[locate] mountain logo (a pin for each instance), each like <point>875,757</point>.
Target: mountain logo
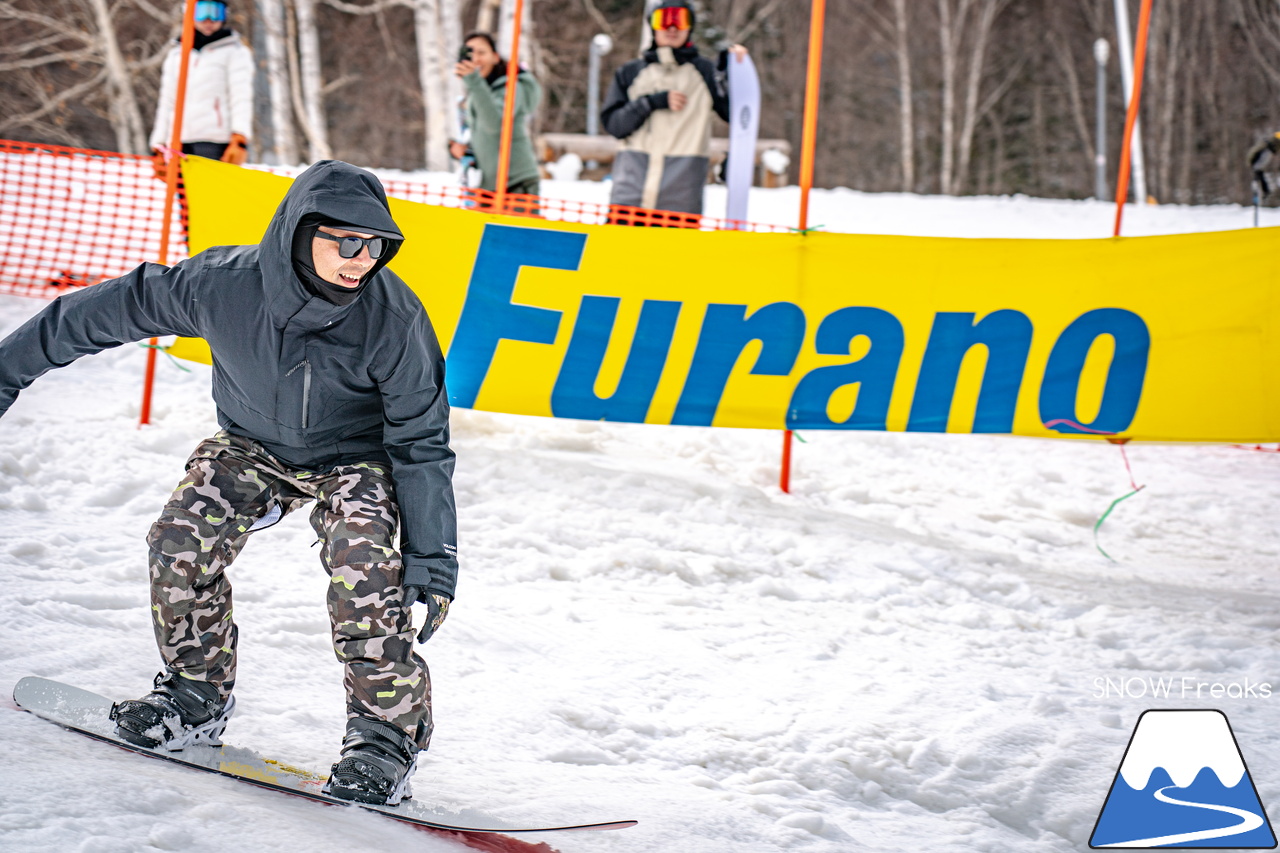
<point>1183,783</point>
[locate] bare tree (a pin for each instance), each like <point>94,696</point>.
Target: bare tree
<point>126,118</point>
<point>46,42</point>
<point>487,15</point>
<point>435,93</point>
<point>950,30</point>
<point>1066,64</point>
<point>530,52</point>
<point>451,41</point>
<point>906,123</point>
<point>284,142</point>
<point>308,95</point>
<point>973,110</point>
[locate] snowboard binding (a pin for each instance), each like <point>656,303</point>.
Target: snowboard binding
<point>178,713</point>
<point>378,761</point>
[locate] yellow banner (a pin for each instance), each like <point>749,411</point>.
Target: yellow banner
<point>1153,338</point>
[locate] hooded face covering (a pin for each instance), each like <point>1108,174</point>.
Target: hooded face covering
<point>304,264</point>
<point>329,193</point>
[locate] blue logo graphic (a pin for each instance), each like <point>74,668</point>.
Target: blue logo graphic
<point>1183,783</point>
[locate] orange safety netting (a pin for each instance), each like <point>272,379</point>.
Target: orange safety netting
<point>73,216</point>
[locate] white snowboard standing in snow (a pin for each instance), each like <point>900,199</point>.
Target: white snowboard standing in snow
<point>744,127</point>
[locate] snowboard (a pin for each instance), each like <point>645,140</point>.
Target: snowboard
<point>86,713</point>
<point>744,127</point>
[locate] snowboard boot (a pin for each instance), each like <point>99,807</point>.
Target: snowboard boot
<point>378,760</point>
<point>179,712</point>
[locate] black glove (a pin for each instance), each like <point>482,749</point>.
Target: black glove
<point>437,609</point>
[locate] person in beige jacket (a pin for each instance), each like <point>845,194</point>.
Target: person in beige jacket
<point>660,107</point>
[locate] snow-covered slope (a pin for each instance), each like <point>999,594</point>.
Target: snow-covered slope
<point>919,648</point>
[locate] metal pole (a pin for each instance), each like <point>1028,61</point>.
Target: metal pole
<point>1101,52</point>
<point>1124,39</point>
<point>600,45</point>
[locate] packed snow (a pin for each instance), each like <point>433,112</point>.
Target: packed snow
<point>919,648</point>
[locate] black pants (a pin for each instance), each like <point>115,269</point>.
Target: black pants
<point>212,150</point>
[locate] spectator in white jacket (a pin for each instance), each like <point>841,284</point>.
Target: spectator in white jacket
<point>217,121</point>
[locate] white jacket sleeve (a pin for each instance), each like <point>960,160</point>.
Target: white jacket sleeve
<point>240,90</point>
<point>163,126</point>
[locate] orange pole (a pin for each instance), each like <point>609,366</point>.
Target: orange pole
<point>813,83</point>
<point>509,111</point>
<point>171,188</point>
<point>808,142</point>
<point>1131,117</point>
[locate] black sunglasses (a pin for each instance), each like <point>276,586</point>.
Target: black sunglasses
<point>349,247</point>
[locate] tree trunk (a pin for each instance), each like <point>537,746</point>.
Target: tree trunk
<point>284,143</point>
<point>126,118</point>
<point>451,41</point>
<point>906,96</point>
<point>486,16</point>
<point>949,32</point>
<point>1066,62</point>
<point>977,64</point>
<point>1168,81</point>
<point>312,82</point>
<point>435,95</point>
<point>506,32</point>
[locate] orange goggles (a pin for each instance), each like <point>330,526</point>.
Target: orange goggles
<point>671,16</point>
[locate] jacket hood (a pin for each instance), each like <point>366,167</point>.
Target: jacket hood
<point>338,192</point>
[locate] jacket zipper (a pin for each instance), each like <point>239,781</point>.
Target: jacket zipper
<point>306,386</point>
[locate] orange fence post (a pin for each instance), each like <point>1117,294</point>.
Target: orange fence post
<point>171,188</point>
<point>813,82</point>
<point>509,112</point>
<point>1131,116</point>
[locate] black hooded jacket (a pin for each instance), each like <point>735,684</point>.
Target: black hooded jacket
<point>316,384</point>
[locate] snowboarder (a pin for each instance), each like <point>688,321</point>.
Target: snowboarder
<point>660,107</point>
<point>329,386</point>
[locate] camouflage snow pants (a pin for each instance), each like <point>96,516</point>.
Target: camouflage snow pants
<point>231,484</point>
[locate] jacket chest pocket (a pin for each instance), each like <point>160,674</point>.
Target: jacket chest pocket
<point>337,393</point>
<point>304,408</point>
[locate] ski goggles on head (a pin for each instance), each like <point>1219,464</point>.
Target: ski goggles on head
<point>211,10</point>
<point>671,16</point>
<point>349,247</point>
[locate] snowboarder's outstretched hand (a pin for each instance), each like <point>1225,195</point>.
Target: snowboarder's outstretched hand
<point>437,609</point>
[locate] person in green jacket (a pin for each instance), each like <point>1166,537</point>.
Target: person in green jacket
<point>484,74</point>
